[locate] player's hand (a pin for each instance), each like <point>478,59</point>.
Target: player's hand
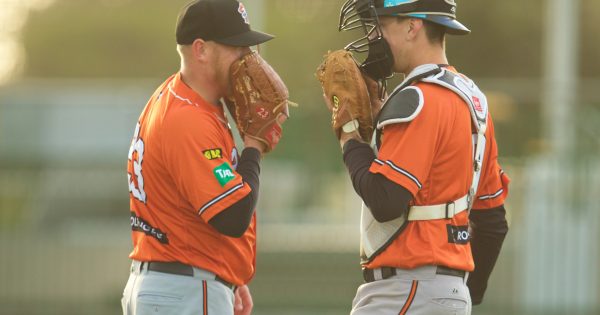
<point>374,95</point>
<point>256,144</point>
<point>347,136</point>
<point>261,146</point>
<point>243,301</point>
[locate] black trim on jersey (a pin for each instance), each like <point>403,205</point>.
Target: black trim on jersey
<point>385,199</point>
<point>492,196</point>
<point>401,171</point>
<point>219,197</point>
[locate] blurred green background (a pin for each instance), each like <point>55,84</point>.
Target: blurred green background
<point>75,74</point>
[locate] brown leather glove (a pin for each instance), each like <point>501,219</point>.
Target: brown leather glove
<point>260,100</point>
<point>346,94</point>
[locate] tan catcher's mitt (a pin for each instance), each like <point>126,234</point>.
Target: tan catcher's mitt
<point>260,97</point>
<point>347,94</point>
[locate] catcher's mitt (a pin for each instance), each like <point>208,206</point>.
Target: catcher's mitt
<point>260,98</point>
<point>347,94</point>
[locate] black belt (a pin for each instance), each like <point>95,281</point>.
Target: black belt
<point>386,272</point>
<point>177,268</point>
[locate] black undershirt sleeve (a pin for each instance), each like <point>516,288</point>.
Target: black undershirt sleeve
<point>489,228</point>
<point>234,220</point>
<point>386,199</point>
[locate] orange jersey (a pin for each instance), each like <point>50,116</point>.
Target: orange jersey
<point>431,156</point>
<point>181,172</point>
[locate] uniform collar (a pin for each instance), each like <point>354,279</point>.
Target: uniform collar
<point>186,94</point>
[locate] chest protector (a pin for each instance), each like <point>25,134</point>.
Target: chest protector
<point>402,106</point>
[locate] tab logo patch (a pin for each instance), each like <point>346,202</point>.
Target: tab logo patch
<point>212,154</point>
<point>223,173</point>
<point>458,234</point>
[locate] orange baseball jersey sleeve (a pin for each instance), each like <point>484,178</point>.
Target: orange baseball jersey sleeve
<point>493,184</point>
<point>410,152</point>
<point>407,162</point>
<point>201,166</point>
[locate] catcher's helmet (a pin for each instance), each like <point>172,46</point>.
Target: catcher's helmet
<point>442,12</point>
<point>364,15</point>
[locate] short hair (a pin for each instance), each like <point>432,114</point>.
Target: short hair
<point>436,33</point>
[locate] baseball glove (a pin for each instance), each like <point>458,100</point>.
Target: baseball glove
<point>261,99</point>
<point>346,93</point>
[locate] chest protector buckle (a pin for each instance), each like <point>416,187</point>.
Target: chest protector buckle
<point>403,106</point>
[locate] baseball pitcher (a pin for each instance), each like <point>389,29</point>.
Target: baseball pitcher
<point>192,195</point>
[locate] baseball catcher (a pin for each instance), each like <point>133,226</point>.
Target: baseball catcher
<point>433,218</point>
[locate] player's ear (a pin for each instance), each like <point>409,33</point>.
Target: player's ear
<point>199,49</point>
<point>414,26</point>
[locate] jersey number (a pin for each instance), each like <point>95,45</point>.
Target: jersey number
<point>134,166</point>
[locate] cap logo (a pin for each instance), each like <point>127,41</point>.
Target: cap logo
<point>243,13</point>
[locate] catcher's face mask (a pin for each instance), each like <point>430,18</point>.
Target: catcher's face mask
<point>361,14</point>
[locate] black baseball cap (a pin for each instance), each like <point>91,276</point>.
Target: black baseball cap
<point>222,21</point>
<point>442,12</point>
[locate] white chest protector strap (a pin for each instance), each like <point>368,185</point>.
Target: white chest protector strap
<point>403,105</point>
<point>470,93</point>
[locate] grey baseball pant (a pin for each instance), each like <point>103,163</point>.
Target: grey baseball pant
<point>151,292</point>
<point>419,291</point>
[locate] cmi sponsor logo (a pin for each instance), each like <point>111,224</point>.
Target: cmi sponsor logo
<point>212,154</point>
<point>458,234</point>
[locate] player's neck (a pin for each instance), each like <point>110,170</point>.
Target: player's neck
<point>431,55</point>
<point>200,84</point>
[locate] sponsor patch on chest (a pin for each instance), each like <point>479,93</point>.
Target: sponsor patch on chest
<point>212,154</point>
